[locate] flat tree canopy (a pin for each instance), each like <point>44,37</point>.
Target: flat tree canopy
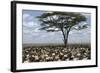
<point>62,21</point>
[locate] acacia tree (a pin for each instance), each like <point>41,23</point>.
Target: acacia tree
<point>61,21</point>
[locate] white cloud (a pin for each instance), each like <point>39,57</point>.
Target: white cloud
<point>35,34</point>
<point>26,15</point>
<point>86,14</point>
<point>36,30</point>
<point>31,25</point>
<point>81,36</point>
<point>43,36</point>
<point>48,12</point>
<point>26,32</point>
<point>52,33</point>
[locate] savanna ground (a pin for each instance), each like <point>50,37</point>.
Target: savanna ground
<point>56,53</point>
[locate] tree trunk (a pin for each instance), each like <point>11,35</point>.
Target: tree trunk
<point>66,39</point>
<point>65,43</point>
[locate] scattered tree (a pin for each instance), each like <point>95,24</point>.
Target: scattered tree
<point>62,21</point>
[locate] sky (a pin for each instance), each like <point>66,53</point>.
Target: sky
<point>32,34</point>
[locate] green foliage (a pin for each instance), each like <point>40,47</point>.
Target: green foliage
<point>60,20</point>
<point>63,21</point>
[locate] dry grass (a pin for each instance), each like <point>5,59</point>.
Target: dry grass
<point>56,53</point>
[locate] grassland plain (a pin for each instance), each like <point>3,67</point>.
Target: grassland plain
<point>55,52</point>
